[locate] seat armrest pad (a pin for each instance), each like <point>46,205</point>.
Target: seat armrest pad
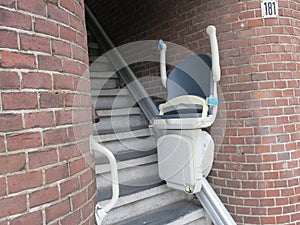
<point>182,102</point>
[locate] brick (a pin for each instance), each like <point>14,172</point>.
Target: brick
<point>19,100</point>
<point>74,218</point>
<point>61,48</point>
<point>62,82</point>
<point>56,173</point>
<point>68,4</point>
<point>21,182</point>
<point>9,80</point>
<point>10,122</point>
<point>12,163</point>
<point>42,158</point>
<point>34,218</point>
<point>68,152</point>
<point>77,166</point>
<point>33,6</point>
<point>51,100</point>
<point>68,187</point>
<point>78,53</point>
<point>79,200</point>
<point>2,187</point>
<point>57,14</point>
<point>39,119</point>
<point>87,210</point>
<point>8,39</point>
<point>68,34</point>
<point>64,117</point>
<point>2,144</point>
<point>41,44</point>
<point>70,66</point>
<point>92,190</point>
<point>36,80</point>
<point>79,11</point>
<point>76,24</point>
<point>46,27</point>
<point>86,178</point>
<point>12,205</point>
<point>56,136</point>
<point>8,3</point>
<point>15,19</point>
<point>23,141</point>
<point>49,63</point>
<point>43,196</point>
<point>58,210</point>
<point>18,60</point>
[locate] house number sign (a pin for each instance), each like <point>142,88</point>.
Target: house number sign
<point>269,9</point>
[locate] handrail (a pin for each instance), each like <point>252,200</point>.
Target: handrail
<point>134,86</point>
<point>101,211</point>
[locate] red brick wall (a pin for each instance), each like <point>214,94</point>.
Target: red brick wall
<point>256,172</point>
<point>46,170</point>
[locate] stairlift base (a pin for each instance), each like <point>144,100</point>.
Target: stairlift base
<point>184,158</point>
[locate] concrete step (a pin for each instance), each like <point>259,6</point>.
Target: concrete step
<point>119,112</point>
<point>104,83</point>
<point>130,175</point>
<point>103,75</point>
<point>117,124</point>
<point>126,160</point>
<point>100,64</point>
<point>136,144</point>
<point>110,92</point>
<point>138,200</point>
<point>140,140</point>
<point>124,135</point>
<point>179,213</point>
<point>113,102</point>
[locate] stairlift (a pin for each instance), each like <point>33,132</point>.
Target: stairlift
<point>185,150</point>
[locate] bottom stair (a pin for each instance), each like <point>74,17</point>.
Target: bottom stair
<point>179,213</point>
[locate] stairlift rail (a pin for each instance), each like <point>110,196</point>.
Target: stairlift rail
<point>213,205</point>
<point>101,211</point>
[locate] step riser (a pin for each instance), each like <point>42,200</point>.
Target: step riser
<point>135,144</point>
<point>101,67</point>
<point>128,176</point>
<point>119,124</point>
<point>137,208</point>
<point>113,102</point>
<point>99,84</point>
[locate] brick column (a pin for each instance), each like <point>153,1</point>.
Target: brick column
<point>45,120</point>
<point>256,172</point>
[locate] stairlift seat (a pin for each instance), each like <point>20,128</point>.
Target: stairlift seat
<point>193,76</point>
<point>190,85</point>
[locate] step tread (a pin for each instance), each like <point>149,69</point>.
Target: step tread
<point>102,75</point>
<point>110,92</point>
<point>123,135</point>
<point>167,215</point>
<point>119,112</point>
<point>130,193</point>
<point>147,158</point>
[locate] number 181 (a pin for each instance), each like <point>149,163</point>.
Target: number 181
<point>270,8</point>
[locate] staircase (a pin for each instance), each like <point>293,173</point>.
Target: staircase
<point>123,129</point>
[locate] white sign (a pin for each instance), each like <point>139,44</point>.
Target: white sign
<point>269,9</point>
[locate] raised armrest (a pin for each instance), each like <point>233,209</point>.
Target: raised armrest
<point>183,102</point>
